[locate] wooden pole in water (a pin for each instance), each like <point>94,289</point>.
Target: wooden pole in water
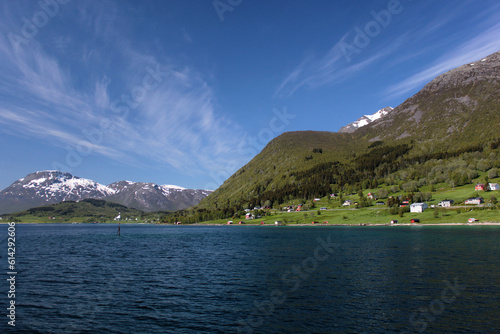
<point>118,233</point>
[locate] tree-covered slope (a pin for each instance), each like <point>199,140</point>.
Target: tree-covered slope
<point>455,114</point>
<point>279,162</point>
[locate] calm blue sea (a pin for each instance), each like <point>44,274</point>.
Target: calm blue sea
<point>244,279</point>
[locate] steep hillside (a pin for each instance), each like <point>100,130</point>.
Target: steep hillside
<point>460,106</point>
<point>455,114</point>
<point>274,167</point>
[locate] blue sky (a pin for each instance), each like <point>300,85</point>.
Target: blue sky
<point>186,92</point>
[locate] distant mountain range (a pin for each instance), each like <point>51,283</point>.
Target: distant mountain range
<point>49,187</point>
<point>365,120</point>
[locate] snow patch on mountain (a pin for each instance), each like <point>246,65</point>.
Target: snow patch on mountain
<point>172,187</point>
<point>365,120</point>
<point>52,183</point>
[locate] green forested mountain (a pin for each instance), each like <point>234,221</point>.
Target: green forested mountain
<point>448,132</point>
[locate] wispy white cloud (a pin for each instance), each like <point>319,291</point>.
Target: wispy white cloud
<point>478,47</point>
<point>332,68</point>
<point>170,115</point>
<point>337,65</point>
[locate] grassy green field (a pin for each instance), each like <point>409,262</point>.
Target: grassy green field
<point>371,216</point>
<point>338,215</point>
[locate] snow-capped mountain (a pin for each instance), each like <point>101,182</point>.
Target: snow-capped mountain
<point>154,197</point>
<point>49,187</point>
<point>365,120</point>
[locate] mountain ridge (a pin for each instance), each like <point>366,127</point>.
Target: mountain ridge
<point>50,187</point>
<point>461,104</point>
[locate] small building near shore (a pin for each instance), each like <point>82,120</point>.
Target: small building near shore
<point>418,207</point>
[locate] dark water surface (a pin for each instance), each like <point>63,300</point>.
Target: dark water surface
<point>230,279</point>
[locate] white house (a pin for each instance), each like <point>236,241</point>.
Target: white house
<point>347,203</point>
<point>494,186</point>
<point>418,207</point>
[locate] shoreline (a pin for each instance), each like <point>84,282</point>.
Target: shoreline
<point>268,225</point>
<point>347,225</point>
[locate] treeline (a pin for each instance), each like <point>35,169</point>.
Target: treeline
<point>381,165</point>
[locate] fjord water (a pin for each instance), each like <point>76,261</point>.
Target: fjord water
<point>244,279</point>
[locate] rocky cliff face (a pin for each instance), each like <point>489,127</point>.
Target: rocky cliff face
<point>461,105</point>
<point>487,69</point>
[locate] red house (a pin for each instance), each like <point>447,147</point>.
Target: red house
<point>480,186</point>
